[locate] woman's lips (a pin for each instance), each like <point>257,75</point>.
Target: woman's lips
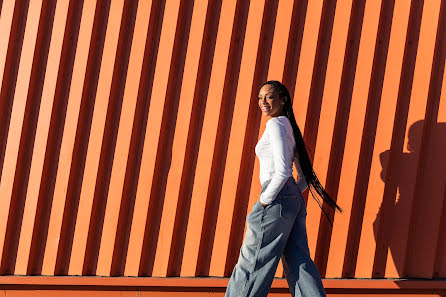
<point>265,108</point>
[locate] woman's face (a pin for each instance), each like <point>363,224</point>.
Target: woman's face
<point>270,102</point>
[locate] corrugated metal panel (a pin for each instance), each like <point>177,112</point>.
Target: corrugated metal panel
<point>128,131</point>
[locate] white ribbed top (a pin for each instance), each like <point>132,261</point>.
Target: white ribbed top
<point>275,151</point>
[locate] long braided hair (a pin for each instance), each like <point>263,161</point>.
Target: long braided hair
<point>304,160</point>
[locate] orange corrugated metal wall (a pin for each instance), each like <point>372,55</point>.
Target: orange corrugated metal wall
<point>128,129</point>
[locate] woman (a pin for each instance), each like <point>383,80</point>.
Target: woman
<point>276,225</point>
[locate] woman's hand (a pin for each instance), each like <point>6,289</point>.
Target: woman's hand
<point>264,205</point>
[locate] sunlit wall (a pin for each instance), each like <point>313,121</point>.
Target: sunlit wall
<point>127,132</point>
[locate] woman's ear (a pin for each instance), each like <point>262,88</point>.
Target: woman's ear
<point>284,99</point>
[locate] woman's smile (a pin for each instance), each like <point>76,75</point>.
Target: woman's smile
<point>265,108</point>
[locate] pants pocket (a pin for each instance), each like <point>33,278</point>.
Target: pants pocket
<point>289,207</point>
<point>273,210</point>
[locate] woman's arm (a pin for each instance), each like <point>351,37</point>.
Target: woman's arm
<point>301,180</point>
<point>277,135</point>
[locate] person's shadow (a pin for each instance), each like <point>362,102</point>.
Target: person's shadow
<point>415,222</point>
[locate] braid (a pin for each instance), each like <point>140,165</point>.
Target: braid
<point>300,150</point>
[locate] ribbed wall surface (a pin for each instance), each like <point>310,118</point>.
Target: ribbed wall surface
<point>128,129</point>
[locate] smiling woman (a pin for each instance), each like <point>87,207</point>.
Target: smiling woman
<point>276,226</point>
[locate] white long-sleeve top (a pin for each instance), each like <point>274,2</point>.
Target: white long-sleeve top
<point>275,151</point>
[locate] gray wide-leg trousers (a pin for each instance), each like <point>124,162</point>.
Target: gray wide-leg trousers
<point>278,230</point>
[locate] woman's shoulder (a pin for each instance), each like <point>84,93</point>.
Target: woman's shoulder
<point>278,122</point>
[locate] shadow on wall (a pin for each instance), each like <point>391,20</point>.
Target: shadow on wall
<point>413,221</point>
